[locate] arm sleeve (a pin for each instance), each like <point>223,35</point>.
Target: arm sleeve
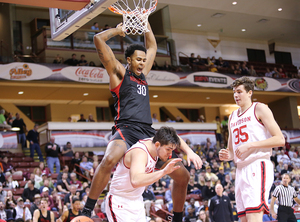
<point>276,192</point>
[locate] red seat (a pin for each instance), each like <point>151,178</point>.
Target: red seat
<point>27,159</point>
<point>54,175</point>
<point>24,164</point>
<point>192,195</point>
<point>65,160</point>
<point>18,191</point>
<point>19,154</point>
<point>22,183</point>
<point>17,177</point>
<point>14,159</point>
<point>34,164</point>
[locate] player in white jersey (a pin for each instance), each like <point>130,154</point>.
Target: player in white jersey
<point>135,171</point>
<point>253,133</point>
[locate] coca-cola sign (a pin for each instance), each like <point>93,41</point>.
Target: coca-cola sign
<point>86,74</point>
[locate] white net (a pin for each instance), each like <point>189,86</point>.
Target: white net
<point>135,14</point>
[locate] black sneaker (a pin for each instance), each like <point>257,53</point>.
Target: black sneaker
<point>86,212</point>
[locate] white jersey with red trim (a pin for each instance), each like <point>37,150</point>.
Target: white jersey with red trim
<point>247,128</point>
<point>120,184</point>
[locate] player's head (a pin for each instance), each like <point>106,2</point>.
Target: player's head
<point>166,140</point>
<point>286,179</point>
<point>242,89</point>
<point>44,203</point>
<point>135,55</point>
<point>76,204</point>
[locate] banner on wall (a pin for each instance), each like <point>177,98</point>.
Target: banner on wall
<point>8,140</point>
<point>56,72</point>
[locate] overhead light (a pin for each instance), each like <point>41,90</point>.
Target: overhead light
<point>217,15</point>
<point>15,129</point>
<point>199,25</point>
<point>20,93</point>
<point>85,94</point>
<point>207,97</point>
<point>155,96</point>
<point>280,9</point>
<point>234,3</point>
<point>243,30</point>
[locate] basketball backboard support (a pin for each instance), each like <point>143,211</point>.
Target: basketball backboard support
<point>65,22</point>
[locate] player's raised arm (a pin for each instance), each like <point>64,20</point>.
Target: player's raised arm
<point>106,55</point>
<point>151,47</point>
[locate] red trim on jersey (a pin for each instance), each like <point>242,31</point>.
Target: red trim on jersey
<point>243,112</point>
<point>133,149</point>
<point>121,134</point>
<point>116,90</point>
<point>141,141</point>
<point>263,206</point>
<point>256,116</point>
<point>111,210</point>
<point>241,214</point>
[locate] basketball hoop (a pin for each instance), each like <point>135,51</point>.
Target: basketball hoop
<point>135,14</point>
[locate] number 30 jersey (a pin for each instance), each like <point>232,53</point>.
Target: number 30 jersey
<point>247,128</point>
<point>131,99</point>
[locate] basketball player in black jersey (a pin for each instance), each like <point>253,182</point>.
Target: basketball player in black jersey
<point>42,214</point>
<point>70,214</point>
<point>133,117</point>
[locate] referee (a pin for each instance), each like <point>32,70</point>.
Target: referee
<point>285,195</point>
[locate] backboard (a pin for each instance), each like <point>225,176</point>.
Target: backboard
<point>65,22</point>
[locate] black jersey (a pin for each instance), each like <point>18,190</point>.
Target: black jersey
<point>44,219</point>
<point>131,99</point>
<point>71,216</point>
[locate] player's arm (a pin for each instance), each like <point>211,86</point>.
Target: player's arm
<point>106,55</point>
<point>227,154</point>
<point>52,216</point>
<point>137,160</point>
<point>274,215</point>
<point>191,156</point>
<point>63,216</point>
<point>297,200</point>
<point>36,215</point>
<point>151,50</point>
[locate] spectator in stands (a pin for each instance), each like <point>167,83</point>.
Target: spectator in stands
<point>155,66</point>
<point>167,66</point>
<point>72,194</point>
<point>178,119</point>
<point>44,169</point>
<point>191,215</point>
<point>87,165</point>
<point>2,176</point>
<point>208,190</point>
<point>193,187</point>
<point>28,193</point>
<point>18,122</point>
<point>211,66</point>
<point>168,194</point>
<point>285,169</point>
<point>8,168</point>
<point>2,117</point>
<point>209,175</point>
<point>52,150</point>
<point>72,61</point>
<point>279,167</point>
<point>252,71</point>
<point>21,211</point>
<point>92,64</point>
<point>215,167</point>
<point>82,119</point>
<point>193,59</point>
<point>46,183</point>
<point>282,156</point>
<point>75,181</point>
<point>45,195</point>
<point>9,197</point>
<point>231,193</point>
<point>58,59</point>
<point>221,174</point>
<point>193,205</point>
<point>237,69</point>
<point>67,150</point>
<point>91,118</point>
<point>227,182</point>
<point>9,119</point>
<point>95,26</point>
<point>2,211</point>
<point>296,182</point>
<point>282,74</point>
<point>82,61</point>
<point>37,177</point>
<point>203,217</point>
<point>65,170</point>
<point>295,160</point>
<point>291,152</point>
<point>268,73</point>
<point>63,186</point>
<point>221,63</point>
<point>244,70</point>
<point>33,138</point>
<point>40,215</point>
<point>199,61</point>
<point>201,119</point>
<point>296,170</point>
<point>219,130</point>
<point>36,203</point>
<point>275,73</point>
<point>106,27</point>
<point>154,118</point>
<point>158,188</point>
<point>3,193</point>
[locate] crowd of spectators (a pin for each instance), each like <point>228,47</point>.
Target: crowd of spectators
<point>73,61</point>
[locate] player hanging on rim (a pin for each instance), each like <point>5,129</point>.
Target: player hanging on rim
<point>253,132</point>
<point>133,117</point>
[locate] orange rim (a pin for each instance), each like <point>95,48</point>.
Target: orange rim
<point>122,12</point>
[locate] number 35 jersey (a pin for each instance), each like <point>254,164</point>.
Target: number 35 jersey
<point>246,128</point>
<point>131,99</point>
